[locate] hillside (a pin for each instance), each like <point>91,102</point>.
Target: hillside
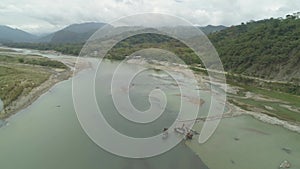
<point>70,39</point>
<point>212,29</point>
<point>8,34</point>
<point>268,48</point>
<point>79,33</point>
<point>76,33</point>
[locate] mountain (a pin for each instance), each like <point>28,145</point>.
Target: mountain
<point>267,48</point>
<point>76,33</point>
<point>79,33</point>
<point>211,29</point>
<point>8,34</point>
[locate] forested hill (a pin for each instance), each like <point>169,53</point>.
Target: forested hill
<point>268,48</point>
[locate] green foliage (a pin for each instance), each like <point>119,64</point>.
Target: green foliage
<point>21,60</point>
<point>268,48</point>
<point>71,49</point>
<point>45,62</point>
<point>14,80</point>
<point>32,60</point>
<point>292,88</point>
<point>19,75</point>
<point>152,40</point>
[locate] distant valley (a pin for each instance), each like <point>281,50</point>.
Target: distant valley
<point>267,49</point>
<point>75,33</point>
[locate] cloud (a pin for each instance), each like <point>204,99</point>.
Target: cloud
<point>49,15</point>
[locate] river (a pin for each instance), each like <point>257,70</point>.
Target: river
<point>1,105</point>
<point>48,135</point>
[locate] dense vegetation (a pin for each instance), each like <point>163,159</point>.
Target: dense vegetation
<point>31,60</point>
<point>17,79</point>
<point>268,48</point>
<point>66,48</point>
<point>124,48</point>
<point>20,74</point>
<point>151,40</point>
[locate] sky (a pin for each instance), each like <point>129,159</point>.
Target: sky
<point>44,16</point>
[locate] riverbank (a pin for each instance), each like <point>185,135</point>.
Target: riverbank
<point>24,100</point>
<point>28,74</point>
<point>237,111</point>
<point>24,77</point>
<point>266,114</point>
<point>245,142</point>
<point>269,113</point>
<point>49,129</point>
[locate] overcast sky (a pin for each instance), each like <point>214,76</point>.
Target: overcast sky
<point>42,16</point>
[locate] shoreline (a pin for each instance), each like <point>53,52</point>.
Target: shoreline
<point>74,65</point>
<point>23,101</point>
<point>234,110</point>
<point>274,121</point>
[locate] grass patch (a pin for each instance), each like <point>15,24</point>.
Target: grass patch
<point>32,60</point>
<point>292,99</point>
<point>19,74</point>
<point>15,80</point>
<point>280,112</point>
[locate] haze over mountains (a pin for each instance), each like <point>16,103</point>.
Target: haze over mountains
<point>75,33</point>
<point>266,48</point>
<point>8,34</point>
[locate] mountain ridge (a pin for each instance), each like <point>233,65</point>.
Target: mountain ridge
<point>8,34</point>
<point>268,48</point>
<point>74,33</point>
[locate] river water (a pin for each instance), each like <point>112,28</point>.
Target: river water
<point>1,105</point>
<point>1,108</point>
<point>48,135</point>
<point>245,143</point>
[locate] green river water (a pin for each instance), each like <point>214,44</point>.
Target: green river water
<point>47,135</point>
